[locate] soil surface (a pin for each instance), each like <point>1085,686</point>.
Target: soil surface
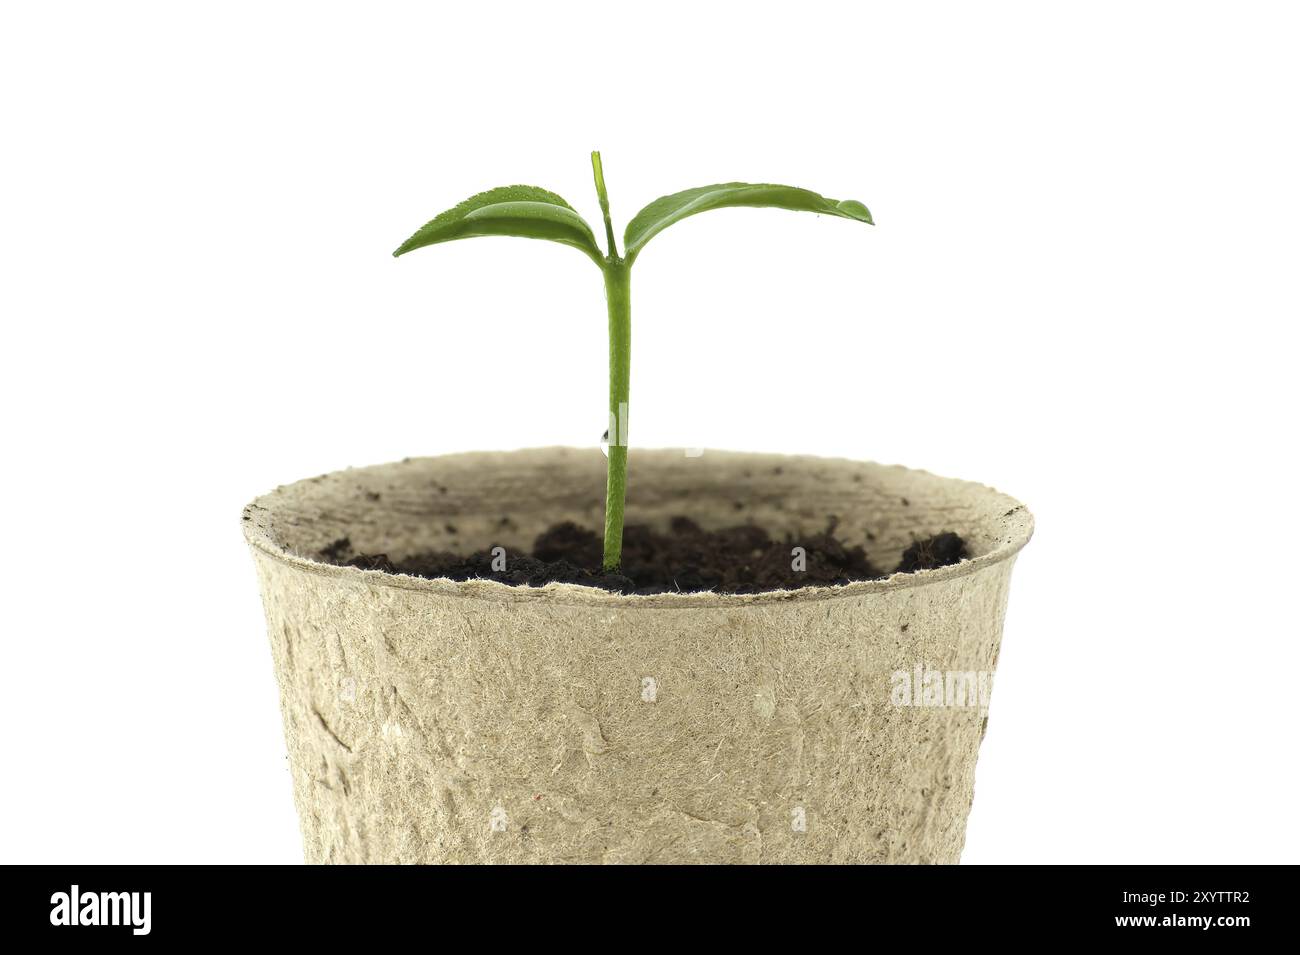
<point>688,559</point>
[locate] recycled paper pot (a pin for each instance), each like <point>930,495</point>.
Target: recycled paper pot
<point>434,721</point>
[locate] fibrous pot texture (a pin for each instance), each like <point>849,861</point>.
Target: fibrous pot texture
<point>431,721</point>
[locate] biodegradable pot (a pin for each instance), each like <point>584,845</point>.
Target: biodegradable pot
<point>434,721</point>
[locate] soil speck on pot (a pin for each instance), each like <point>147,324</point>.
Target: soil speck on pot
<point>688,559</point>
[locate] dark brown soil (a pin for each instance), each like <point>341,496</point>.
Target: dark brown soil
<point>736,560</point>
<point>937,551</point>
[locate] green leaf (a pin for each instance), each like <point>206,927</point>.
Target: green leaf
<point>509,210</point>
<point>666,210</point>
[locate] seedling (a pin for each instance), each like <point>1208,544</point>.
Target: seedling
<point>538,214</point>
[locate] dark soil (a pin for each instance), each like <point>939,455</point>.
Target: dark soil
<point>937,551</point>
<point>736,560</point>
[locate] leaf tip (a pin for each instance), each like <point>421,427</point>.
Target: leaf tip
<point>855,210</point>
<point>408,246</point>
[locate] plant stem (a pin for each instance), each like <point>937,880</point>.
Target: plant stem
<point>618,297</point>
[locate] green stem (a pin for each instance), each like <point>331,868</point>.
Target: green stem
<point>618,297</point>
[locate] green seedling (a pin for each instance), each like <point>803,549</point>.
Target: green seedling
<point>538,214</point>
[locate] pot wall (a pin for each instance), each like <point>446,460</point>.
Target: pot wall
<point>431,721</point>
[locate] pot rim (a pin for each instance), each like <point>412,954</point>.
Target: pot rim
<point>1016,529</point>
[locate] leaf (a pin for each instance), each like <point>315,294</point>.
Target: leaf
<point>525,211</point>
<point>666,210</point>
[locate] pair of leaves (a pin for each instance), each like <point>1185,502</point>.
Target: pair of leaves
<point>538,214</point>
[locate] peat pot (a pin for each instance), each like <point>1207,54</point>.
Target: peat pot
<point>434,721</point>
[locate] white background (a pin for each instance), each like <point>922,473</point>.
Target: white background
<point>1081,289</point>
